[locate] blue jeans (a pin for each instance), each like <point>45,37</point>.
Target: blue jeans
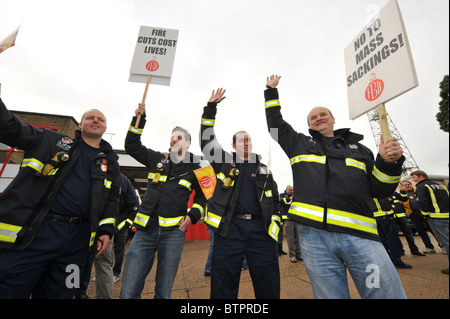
<point>327,255</point>
<point>140,258</point>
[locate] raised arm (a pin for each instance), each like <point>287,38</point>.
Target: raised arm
<point>211,147</point>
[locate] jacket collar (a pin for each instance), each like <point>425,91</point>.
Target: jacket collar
<point>104,146</point>
<point>345,133</point>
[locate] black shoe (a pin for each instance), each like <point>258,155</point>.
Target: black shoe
<point>282,252</point>
<point>445,271</point>
<point>417,253</point>
<point>403,266</point>
<point>82,296</point>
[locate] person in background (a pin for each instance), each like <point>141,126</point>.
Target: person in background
<point>433,201</point>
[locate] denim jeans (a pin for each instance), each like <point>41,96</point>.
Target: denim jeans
<point>140,258</point>
<point>327,255</point>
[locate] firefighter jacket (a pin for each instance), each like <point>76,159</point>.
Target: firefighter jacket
<point>382,208</point>
<point>433,199</point>
<point>285,203</point>
<point>406,198</point>
<point>169,187</point>
<point>333,184</point>
<point>221,205</point>
<point>28,198</point>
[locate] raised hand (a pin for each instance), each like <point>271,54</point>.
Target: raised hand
<point>272,81</point>
<point>217,96</point>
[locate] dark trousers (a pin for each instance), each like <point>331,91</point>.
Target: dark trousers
<point>387,230</point>
<point>420,223</point>
<point>245,237</point>
<point>50,267</point>
<point>404,226</point>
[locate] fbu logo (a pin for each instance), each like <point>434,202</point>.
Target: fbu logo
<point>375,88</point>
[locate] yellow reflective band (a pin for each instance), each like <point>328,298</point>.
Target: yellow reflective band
<point>400,215</point>
<point>91,241</point>
<point>141,219</point>
<point>8,232</point>
<point>221,176</point>
<point>353,221</point>
<point>107,183</point>
<point>355,163</point>
<point>438,215</point>
<point>134,130</point>
<point>268,193</point>
<point>162,178</point>
<point>272,103</point>
<point>200,208</point>
<point>208,122</point>
<point>213,220</point>
<point>169,222</point>
<point>185,183</point>
<point>120,226</point>
<point>274,229</point>
<point>433,200</point>
<point>107,221</point>
<point>52,172</point>
<point>308,158</point>
<point>33,163</point>
<point>384,178</point>
<point>307,211</point>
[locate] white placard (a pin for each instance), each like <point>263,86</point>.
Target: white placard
<point>378,62</point>
<point>154,55</point>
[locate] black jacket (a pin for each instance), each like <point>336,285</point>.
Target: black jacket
<point>28,198</point>
<point>221,205</point>
<point>165,201</point>
<point>334,185</point>
<point>433,199</point>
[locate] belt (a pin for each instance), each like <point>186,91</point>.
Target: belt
<point>66,219</point>
<point>246,216</point>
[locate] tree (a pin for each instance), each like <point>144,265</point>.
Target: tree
<point>442,115</point>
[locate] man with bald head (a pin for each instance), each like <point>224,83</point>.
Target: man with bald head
<point>61,204</point>
<point>335,179</point>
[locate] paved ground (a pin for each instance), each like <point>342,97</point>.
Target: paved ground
<point>423,281</point>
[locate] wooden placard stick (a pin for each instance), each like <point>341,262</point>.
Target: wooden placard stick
<point>382,117</point>
<point>138,119</point>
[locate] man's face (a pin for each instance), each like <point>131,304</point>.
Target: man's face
<point>290,190</point>
<point>407,186</point>
<point>178,142</point>
<point>416,178</point>
<point>243,145</point>
<point>93,124</point>
<point>320,120</point>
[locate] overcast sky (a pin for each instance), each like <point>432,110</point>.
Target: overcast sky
<point>74,55</point>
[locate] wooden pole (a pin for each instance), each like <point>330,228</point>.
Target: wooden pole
<point>143,99</point>
<point>382,116</point>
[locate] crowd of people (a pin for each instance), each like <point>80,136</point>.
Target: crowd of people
<point>69,208</point>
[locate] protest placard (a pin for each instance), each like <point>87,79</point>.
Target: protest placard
<point>154,55</point>
<point>378,62</point>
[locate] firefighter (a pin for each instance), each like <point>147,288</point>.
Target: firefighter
<point>335,178</point>
<point>62,201</point>
<point>163,218</point>
<point>243,213</point>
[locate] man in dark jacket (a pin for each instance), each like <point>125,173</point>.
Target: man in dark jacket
<point>243,213</point>
<point>163,218</point>
<point>434,205</point>
<point>335,178</point>
<point>66,192</point>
